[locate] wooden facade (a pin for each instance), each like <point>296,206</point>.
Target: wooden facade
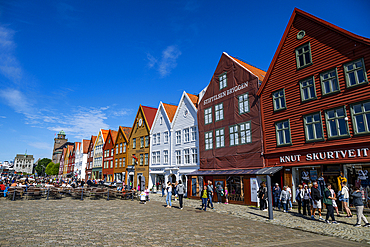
<point>90,158</point>
<point>121,151</point>
<point>108,156</point>
<point>98,154</point>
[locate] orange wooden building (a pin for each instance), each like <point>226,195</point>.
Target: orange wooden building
<point>120,156</point>
<point>108,156</point>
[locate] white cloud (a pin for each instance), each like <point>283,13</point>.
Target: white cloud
<point>2,117</point>
<point>167,61</point>
<point>41,145</point>
<point>18,101</point>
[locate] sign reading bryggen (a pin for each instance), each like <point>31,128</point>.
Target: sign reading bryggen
<point>227,92</point>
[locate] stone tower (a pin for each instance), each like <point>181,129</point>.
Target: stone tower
<point>59,141</point>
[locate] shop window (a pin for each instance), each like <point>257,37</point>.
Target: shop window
<point>361,117</point>
<point>178,157</point>
<point>329,82</point>
<point>208,140</point>
<point>165,156</point>
<point>243,103</point>
<point>220,138</point>
<point>313,127</point>
<point>235,188</point>
<point>219,112</point>
<point>166,137</point>
<point>141,142</point>
<point>283,133</point>
<point>355,73</point>
<point>178,137</point>
<point>303,56</point>
<point>222,80</point>
<point>337,125</point>
<point>146,159</point>
<point>187,156</point>
<point>278,99</point>
<point>186,135</point>
<point>194,154</point>
<point>208,115</point>
<point>308,90</point>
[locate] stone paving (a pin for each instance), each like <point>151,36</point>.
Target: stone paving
<point>71,222</point>
<point>292,219</point>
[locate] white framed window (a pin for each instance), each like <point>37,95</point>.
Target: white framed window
<point>223,80</point>
<point>355,73</point>
<point>194,155</point>
<point>165,156</point>
<point>219,112</point>
<point>158,138</point>
<point>178,157</point>
<point>146,141</point>
<point>154,158</point>
<point>208,115</point>
<point>234,135</point>
<point>186,135</point>
<point>243,103</point>
<point>120,147</point>
<point>208,140</point>
<point>245,133</point>
<point>111,164</point>
<point>220,138</point>
<point>187,156</point>
<point>142,142</point>
<point>337,125</point>
<point>193,133</point>
<point>361,117</point>
<point>283,133</point>
<point>308,89</point>
<point>154,139</point>
<point>178,137</point>
<point>141,159</point>
<point>166,137</point>
<point>146,159</point>
<point>112,152</point>
<point>120,162</point>
<point>158,157</point>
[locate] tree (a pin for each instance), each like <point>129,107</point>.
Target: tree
<point>55,169</point>
<point>52,169</point>
<point>41,166</point>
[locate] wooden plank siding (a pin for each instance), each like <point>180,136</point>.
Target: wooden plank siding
<point>329,49</point>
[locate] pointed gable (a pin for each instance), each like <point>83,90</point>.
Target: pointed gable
<point>104,134</point>
<point>85,146</point>
<point>256,71</point>
<point>149,114</point>
<point>170,110</point>
<point>193,98</point>
<point>125,132</point>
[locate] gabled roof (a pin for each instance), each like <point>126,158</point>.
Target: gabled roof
<point>77,146</point>
<point>184,96</point>
<point>319,21</point>
<point>194,99</point>
<point>125,131</point>
<point>149,114</point>
<point>85,146</point>
<point>104,134</point>
<point>170,110</point>
<point>256,71</point>
<point>114,135</point>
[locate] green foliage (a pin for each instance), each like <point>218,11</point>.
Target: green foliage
<point>41,166</point>
<point>52,169</point>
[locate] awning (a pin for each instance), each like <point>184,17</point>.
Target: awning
<point>262,171</point>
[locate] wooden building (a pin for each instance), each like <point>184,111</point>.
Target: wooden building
<point>108,156</point>
<point>90,158</point>
<point>120,156</point>
<point>230,135</point>
<point>138,153</point>
<point>316,103</point>
<point>98,154</point>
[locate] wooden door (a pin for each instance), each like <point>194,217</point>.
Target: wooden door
<point>288,177</point>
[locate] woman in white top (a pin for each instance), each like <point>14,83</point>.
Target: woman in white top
<point>345,193</point>
<point>169,194</point>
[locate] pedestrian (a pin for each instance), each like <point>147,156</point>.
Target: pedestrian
<point>306,200</point>
<point>219,192</point>
<point>328,200</point>
<point>204,197</point>
<point>147,194</point>
<point>226,195</point>
<point>290,205</point>
<point>335,206</point>
<point>359,204</point>
<point>276,193</point>
<point>284,198</point>
<point>345,193</point>
<point>210,193</point>
<point>163,187</point>
<point>316,200</point>
<point>142,197</point>
<point>175,190</point>
<point>180,188</point>
<point>262,194</point>
<point>299,198</point>
<point>169,194</point>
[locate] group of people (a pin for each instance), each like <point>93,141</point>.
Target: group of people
<point>179,191</point>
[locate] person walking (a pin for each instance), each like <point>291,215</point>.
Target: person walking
<point>345,193</point>
<point>180,191</point>
<point>316,200</point>
<point>219,192</point>
<point>290,205</point>
<point>284,198</point>
<point>210,193</point>
<point>328,200</point>
<point>299,198</point>
<point>263,196</point>
<point>226,195</point>
<point>306,200</point>
<point>163,188</point>
<point>276,193</point>
<point>169,195</point>
<point>335,206</point>
<point>204,197</point>
<point>359,204</point>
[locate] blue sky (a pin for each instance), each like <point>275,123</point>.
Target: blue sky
<point>85,65</point>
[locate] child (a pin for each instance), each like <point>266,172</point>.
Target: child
<point>226,195</point>
<point>142,197</point>
<point>147,194</point>
<point>204,197</point>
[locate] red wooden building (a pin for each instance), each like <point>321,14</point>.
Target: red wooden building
<point>90,158</point>
<point>316,103</point>
<point>108,156</point>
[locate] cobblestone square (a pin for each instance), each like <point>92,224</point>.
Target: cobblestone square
<point>70,222</point>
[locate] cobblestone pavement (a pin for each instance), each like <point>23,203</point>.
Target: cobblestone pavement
<point>70,222</point>
<point>345,229</point>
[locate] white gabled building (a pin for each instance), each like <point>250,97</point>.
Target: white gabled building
<point>185,141</point>
<point>160,144</point>
<point>23,163</point>
<point>81,158</point>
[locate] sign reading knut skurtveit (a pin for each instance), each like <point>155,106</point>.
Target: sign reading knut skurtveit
<point>328,155</point>
<point>227,92</point>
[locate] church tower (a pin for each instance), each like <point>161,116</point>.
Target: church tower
<point>59,141</point>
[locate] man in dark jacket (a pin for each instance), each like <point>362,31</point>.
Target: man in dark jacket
<point>276,193</point>
<point>358,203</point>
<point>316,200</point>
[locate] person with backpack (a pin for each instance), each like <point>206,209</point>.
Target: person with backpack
<point>306,200</point>
<point>328,200</point>
<point>180,191</point>
<point>220,193</point>
<point>210,193</point>
<point>359,204</point>
<point>284,198</point>
<point>262,195</point>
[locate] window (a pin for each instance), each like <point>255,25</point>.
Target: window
<point>158,157</point>
<point>178,137</point>
<point>234,135</point>
<point>161,121</point>
<point>223,80</point>
<point>355,73</point>
<point>208,115</point>
<point>186,135</point>
<point>141,159</point>
<point>178,157</point>
<point>361,117</point>
<point>187,156</point>
<point>142,142</point>
<point>120,162</point>
<point>134,143</point>
<point>112,152</point>
<point>283,133</point>
<point>154,158</point>
<point>165,156</point>
<point>219,112</point>
<point>123,162</point>
<point>111,164</point>
<point>303,56</point>
<point>245,133</point>
<point>220,138</point>
<point>146,159</point>
<point>194,154</point>
<point>116,149</point>
<point>124,147</point>
<point>193,133</point>
<point>308,90</point>
<point>120,148</point>
<point>329,82</point>
<point>166,137</point>
<point>313,127</point>
<point>154,139</point>
<point>133,161</point>
<point>278,98</point>
<point>243,103</point>
<point>146,141</point>
<point>336,123</point>
<point>158,138</point>
<point>208,140</point>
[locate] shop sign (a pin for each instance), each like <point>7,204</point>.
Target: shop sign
<point>254,188</point>
<point>155,169</point>
<point>227,92</point>
<point>337,154</point>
